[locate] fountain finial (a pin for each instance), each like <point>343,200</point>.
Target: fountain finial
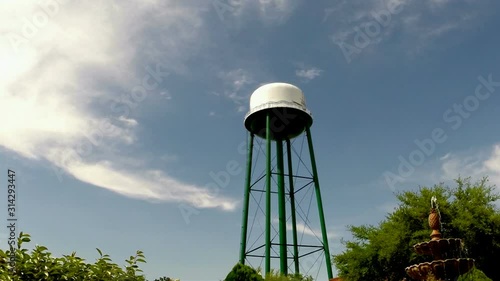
<point>435,219</point>
<point>447,264</point>
<point>434,203</point>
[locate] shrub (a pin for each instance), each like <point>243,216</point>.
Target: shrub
<point>241,272</point>
<point>40,265</point>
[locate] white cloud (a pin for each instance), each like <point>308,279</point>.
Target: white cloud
<point>492,165</point>
<point>236,84</point>
<point>149,184</point>
<point>128,121</point>
<point>308,73</point>
<point>307,230</point>
<point>302,228</point>
<point>441,29</point>
<point>475,164</point>
<point>276,10</point>
<point>417,23</point>
<point>269,12</point>
<point>166,95</point>
<point>446,156</point>
<point>55,81</point>
<point>238,78</point>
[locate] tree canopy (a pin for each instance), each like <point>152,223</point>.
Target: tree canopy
<point>467,211</point>
<point>241,272</point>
<point>20,264</point>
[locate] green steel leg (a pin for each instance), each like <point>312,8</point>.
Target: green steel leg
<point>246,201</point>
<point>292,208</point>
<point>320,205</point>
<point>268,194</point>
<point>282,209</point>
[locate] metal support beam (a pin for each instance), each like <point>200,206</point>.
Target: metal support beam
<point>246,200</point>
<point>281,207</point>
<point>268,194</point>
<point>292,207</point>
<point>320,205</point>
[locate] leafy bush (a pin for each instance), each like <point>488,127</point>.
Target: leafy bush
<point>39,264</point>
<point>241,272</point>
<point>474,275</point>
<point>276,276</point>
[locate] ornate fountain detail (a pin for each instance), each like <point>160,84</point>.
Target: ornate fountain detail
<point>447,262</point>
<point>435,220</point>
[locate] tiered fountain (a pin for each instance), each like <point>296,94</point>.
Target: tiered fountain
<point>447,264</point>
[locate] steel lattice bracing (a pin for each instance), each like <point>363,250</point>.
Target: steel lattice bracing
<point>279,222</point>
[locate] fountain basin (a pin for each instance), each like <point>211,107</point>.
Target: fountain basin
<point>441,269</point>
<point>440,248</point>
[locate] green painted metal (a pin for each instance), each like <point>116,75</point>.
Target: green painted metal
<point>292,207</point>
<point>281,192</point>
<point>268,194</point>
<point>246,200</point>
<point>281,207</point>
<point>320,205</point>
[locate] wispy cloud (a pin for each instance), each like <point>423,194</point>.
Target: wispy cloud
<point>308,230</point>
<point>475,163</point>
<point>268,12</point>
<point>55,88</point>
<point>236,87</point>
<point>277,10</point>
<point>364,24</point>
<point>313,232</point>
<point>308,74</point>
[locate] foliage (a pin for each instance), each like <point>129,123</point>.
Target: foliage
<point>39,264</point>
<point>241,272</point>
<point>164,278</point>
<point>474,275</point>
<point>467,212</point>
<point>276,276</point>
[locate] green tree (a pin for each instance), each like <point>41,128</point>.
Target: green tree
<point>276,276</point>
<point>40,265</point>
<point>467,211</point>
<point>164,278</point>
<point>241,272</point>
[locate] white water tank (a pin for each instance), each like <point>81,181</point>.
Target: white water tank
<point>286,107</point>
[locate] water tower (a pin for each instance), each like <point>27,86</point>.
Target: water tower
<point>278,116</point>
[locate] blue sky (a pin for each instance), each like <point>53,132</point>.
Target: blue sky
<point>116,113</point>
